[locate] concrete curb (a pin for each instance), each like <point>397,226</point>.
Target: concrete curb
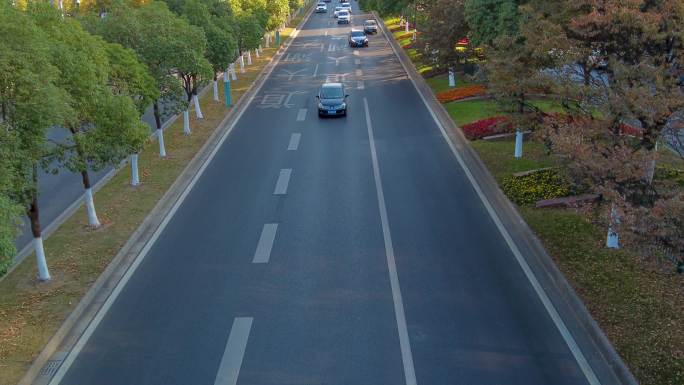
<point>48,361</point>
<point>533,251</point>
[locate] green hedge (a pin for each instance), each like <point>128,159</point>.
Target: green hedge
<point>530,188</point>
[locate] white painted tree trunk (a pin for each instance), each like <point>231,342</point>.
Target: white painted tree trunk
<point>232,71</point>
<point>249,57</point>
<point>198,110</point>
<point>43,272</point>
<point>135,178</point>
<point>90,206</point>
<point>242,63</point>
<point>215,89</point>
<point>452,78</point>
<point>518,144</point>
<point>613,239</point>
<point>60,4</point>
<point>162,147</point>
<point>258,50</point>
<point>407,26</point>
<point>268,40</point>
<point>186,122</point>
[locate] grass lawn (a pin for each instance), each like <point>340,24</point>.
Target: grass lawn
<point>31,312</point>
<point>472,110</point>
<point>440,83</point>
<point>498,156</point>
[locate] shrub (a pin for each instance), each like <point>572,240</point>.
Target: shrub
<point>529,188</point>
<point>460,93</point>
<point>486,127</point>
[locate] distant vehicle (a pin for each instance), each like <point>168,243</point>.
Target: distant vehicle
<point>370,26</point>
<point>321,8</point>
<point>326,1</point>
<point>332,101</point>
<point>337,11</point>
<point>343,17</point>
<point>346,6</point>
<point>358,38</point>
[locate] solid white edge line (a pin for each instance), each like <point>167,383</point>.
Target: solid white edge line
<point>283,181</point>
<point>404,341</point>
<point>234,353</point>
<point>582,362</point>
<point>262,254</point>
<point>315,73</point>
<point>83,339</point>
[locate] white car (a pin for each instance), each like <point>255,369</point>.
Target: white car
<point>346,7</point>
<point>337,10</point>
<point>343,17</point>
<point>321,8</point>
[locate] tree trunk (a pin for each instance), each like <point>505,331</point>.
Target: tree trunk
<point>242,63</point>
<point>249,57</point>
<point>215,88</point>
<point>160,132</point>
<point>135,178</point>
<point>232,71</point>
<point>186,122</point>
<point>36,231</point>
<point>256,51</point>
<point>613,240</point>
<point>90,205</point>
<point>452,78</point>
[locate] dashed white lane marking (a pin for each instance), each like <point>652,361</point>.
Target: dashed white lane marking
<point>301,115</point>
<point>404,342</point>
<point>265,245</point>
<point>235,351</point>
<point>294,141</point>
<point>331,48</point>
<point>357,61</point>
<point>360,85</point>
<point>356,52</point>
<point>359,72</point>
<point>283,181</point>
<point>315,71</point>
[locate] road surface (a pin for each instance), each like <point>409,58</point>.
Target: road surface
<point>331,251</point>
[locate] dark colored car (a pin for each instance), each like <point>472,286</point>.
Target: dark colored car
<point>332,100</point>
<point>369,26</point>
<point>358,39</point>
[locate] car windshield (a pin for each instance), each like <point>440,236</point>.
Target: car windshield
<point>338,8</point>
<point>357,34</point>
<point>370,22</point>
<point>343,13</point>
<point>332,93</point>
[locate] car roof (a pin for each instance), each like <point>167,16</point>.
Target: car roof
<point>370,21</point>
<point>331,85</point>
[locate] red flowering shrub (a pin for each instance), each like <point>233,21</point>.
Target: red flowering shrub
<point>627,129</point>
<point>487,127</point>
<point>460,93</point>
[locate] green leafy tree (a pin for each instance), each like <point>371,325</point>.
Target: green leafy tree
<point>445,25</point>
<point>30,102</point>
<point>105,125</point>
<point>490,19</point>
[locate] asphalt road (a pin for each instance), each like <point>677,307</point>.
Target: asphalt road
<point>330,251</point>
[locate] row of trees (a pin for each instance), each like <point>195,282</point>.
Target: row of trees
<point>87,71</point>
<point>616,68</point>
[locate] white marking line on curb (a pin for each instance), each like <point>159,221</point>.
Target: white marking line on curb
<point>283,181</point>
<point>265,245</point>
<point>315,71</point>
<point>404,342</point>
<point>360,85</point>
<point>548,305</point>
<point>359,72</point>
<point>326,33</point>
<point>294,141</point>
<point>301,114</point>
<point>229,370</point>
<point>357,61</point>
<point>83,339</point>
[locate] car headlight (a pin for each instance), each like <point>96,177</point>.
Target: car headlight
<point>320,105</point>
<point>342,106</point>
